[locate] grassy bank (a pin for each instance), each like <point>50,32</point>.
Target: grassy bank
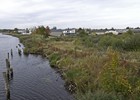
<point>105,67</point>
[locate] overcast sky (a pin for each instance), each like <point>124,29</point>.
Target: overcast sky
<point>70,13</point>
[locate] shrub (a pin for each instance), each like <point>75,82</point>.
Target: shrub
<point>117,44</point>
<point>66,62</point>
<point>98,95</point>
<point>54,57</point>
<point>114,78</point>
<point>129,32</point>
<point>106,41</point>
<point>132,43</point>
<point>87,41</point>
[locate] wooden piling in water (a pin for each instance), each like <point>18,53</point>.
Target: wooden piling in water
<point>8,55</point>
<point>8,68</point>
<point>8,74</point>
<point>19,52</point>
<point>11,73</point>
<point>11,53</point>
<point>8,95</point>
<point>7,87</point>
<point>7,64</point>
<point>19,45</point>
<point>6,80</point>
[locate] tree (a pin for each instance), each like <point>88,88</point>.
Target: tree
<point>47,31</point>
<point>27,30</point>
<point>79,30</point>
<point>106,29</point>
<point>127,27</point>
<point>112,29</point>
<point>41,30</point>
<point>54,28</point>
<point>129,32</point>
<point>16,30</point>
<point>82,33</point>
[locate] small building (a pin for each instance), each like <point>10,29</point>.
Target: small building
<point>21,31</point>
<point>69,32</point>
<point>121,31</point>
<point>56,32</point>
<point>108,31</point>
<point>98,31</point>
<point>112,31</point>
<point>24,31</point>
<point>135,31</point>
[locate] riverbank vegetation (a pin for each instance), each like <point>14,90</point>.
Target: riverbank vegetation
<point>95,67</point>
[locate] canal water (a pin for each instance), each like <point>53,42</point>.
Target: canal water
<point>33,79</point>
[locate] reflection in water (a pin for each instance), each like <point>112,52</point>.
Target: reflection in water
<point>33,78</point>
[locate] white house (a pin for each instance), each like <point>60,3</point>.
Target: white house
<point>121,31</point>
<point>69,32</point>
<point>99,33</point>
<point>24,31</point>
<point>113,32</point>
<point>135,30</point>
<point>21,31</point>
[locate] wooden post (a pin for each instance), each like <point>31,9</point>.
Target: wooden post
<point>8,55</point>
<point>19,45</point>
<point>7,87</point>
<point>8,74</point>
<point>6,80</point>
<point>7,64</point>
<point>19,52</point>
<point>11,53</point>
<point>8,95</point>
<point>11,73</point>
<point>8,69</point>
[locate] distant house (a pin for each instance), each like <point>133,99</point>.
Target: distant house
<point>112,31</point>
<point>24,31</point>
<point>135,31</point>
<point>21,31</point>
<point>56,32</point>
<point>100,33</point>
<point>121,31</point>
<point>97,32</point>
<point>117,31</point>
<point>69,32</point>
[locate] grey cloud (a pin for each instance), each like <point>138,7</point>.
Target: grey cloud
<point>70,13</point>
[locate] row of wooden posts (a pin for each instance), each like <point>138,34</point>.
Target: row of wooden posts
<point>8,74</point>
<point>11,54</point>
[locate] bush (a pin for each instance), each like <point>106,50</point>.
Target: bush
<point>132,43</point>
<point>34,44</point>
<point>88,41</point>
<point>54,57</point>
<point>106,41</point>
<point>99,95</point>
<point>114,78</point>
<point>117,44</point>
